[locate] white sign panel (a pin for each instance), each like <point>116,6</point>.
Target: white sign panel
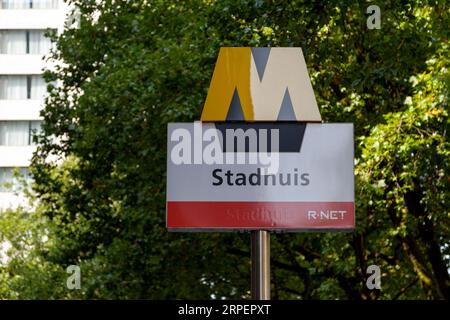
<point>247,176</point>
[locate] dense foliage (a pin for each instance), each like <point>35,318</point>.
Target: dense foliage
<point>130,67</point>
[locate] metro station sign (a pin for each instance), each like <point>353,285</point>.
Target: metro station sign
<point>260,159</point>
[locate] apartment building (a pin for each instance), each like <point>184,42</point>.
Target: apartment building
<point>23,44</point>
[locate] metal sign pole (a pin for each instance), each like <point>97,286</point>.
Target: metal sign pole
<point>260,265</point>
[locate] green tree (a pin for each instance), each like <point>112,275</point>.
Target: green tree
<point>131,67</point>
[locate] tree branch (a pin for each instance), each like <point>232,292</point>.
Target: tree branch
<point>403,290</point>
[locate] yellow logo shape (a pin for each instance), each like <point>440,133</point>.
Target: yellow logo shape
<point>261,84</point>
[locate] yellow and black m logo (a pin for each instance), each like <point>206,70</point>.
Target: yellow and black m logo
<point>261,84</point>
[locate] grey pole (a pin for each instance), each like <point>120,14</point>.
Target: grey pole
<point>260,265</point>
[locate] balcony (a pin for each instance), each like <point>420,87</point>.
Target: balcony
<point>16,156</point>
<point>31,19</point>
<point>20,109</point>
<point>11,200</point>
<point>21,64</point>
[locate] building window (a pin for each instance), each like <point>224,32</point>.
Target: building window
<point>37,42</point>
<point>24,42</point>
<point>13,87</point>
<point>13,42</point>
<point>29,4</point>
<point>10,183</point>
<point>22,87</point>
<point>18,133</point>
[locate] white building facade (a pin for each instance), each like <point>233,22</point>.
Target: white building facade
<point>23,44</point>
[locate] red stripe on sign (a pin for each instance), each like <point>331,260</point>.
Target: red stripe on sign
<point>260,215</point>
